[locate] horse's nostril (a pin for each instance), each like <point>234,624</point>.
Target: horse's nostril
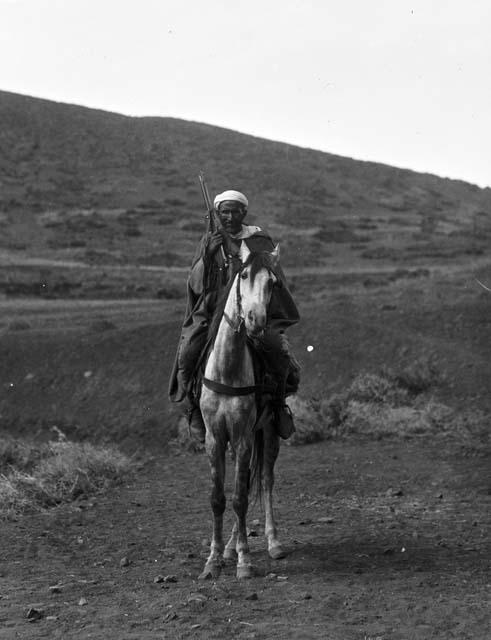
<point>250,315</point>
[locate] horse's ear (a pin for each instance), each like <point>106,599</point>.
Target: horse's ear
<point>276,254</point>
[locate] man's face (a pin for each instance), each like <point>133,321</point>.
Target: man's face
<point>231,214</point>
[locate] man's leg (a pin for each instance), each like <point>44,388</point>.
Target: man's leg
<point>193,341</point>
<point>281,362</point>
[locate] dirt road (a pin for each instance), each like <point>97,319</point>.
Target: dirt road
<point>387,540</point>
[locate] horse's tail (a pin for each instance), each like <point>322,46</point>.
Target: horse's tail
<point>256,468</point>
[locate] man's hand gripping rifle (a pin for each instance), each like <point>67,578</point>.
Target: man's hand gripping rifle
<point>214,223</point>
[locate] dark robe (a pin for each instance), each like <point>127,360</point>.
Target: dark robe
<point>207,278</point>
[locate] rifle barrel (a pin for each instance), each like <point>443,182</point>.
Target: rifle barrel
<point>212,223</point>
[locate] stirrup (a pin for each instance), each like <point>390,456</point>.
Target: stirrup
<point>283,422</point>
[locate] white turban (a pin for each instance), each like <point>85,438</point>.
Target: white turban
<point>236,196</point>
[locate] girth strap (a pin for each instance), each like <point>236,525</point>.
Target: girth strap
<point>227,390</point>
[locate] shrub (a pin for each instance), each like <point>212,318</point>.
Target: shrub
<point>310,422</point>
<point>416,377</point>
<point>375,404</point>
<point>57,472</point>
<point>170,292</point>
<point>18,325</point>
<point>132,232</point>
<point>165,220</point>
<point>337,235</point>
<point>193,226</point>
<point>385,420</point>
<point>19,454</point>
<point>381,253</point>
<point>371,387</point>
<point>102,324</point>
<point>175,201</point>
<point>77,243</point>
<point>166,258</point>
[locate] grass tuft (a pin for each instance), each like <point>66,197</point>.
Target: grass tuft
<point>19,454</point>
<point>376,388</point>
<point>416,377</point>
<point>38,477</point>
<point>310,421</point>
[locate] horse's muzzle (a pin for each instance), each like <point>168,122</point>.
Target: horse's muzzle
<point>255,324</point>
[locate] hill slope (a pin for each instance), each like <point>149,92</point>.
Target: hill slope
<point>89,186</point>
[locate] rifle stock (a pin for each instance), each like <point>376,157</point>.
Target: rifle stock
<point>214,223</point>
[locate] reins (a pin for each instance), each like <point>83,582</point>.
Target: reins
<point>237,327</point>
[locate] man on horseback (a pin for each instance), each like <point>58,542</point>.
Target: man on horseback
<point>211,270</point>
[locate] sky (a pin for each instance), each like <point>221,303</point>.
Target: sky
<point>393,81</point>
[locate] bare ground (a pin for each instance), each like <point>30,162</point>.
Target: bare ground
<point>387,539</point>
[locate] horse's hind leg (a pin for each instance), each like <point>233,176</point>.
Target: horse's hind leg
<point>271,450</point>
<point>216,453</point>
<point>241,503</point>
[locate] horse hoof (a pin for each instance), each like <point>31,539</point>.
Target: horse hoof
<point>245,571</point>
<point>277,552</point>
<point>230,555</point>
<point>210,572</point>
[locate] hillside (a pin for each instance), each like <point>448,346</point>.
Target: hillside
<point>89,187</point>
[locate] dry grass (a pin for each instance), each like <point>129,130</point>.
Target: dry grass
<point>19,454</point>
<point>381,420</point>
<point>388,404</point>
<point>311,423</point>
<point>36,477</point>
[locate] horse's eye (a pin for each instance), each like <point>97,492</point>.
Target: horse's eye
<point>244,275</point>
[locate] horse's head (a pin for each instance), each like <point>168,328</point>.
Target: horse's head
<point>255,283</point>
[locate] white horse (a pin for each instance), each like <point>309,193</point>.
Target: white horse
<point>228,405</point>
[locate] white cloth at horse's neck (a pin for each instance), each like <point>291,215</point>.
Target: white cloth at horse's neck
<point>246,232</point>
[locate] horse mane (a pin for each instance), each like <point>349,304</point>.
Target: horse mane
<point>257,260</point>
<point>260,260</point>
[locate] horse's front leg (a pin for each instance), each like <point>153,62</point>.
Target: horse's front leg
<point>271,450</point>
<point>230,552</point>
<point>240,504</point>
<point>216,453</point>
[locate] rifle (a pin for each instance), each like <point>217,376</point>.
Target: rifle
<point>214,223</point>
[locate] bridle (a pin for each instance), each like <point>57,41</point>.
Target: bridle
<point>240,323</point>
<point>237,327</point>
